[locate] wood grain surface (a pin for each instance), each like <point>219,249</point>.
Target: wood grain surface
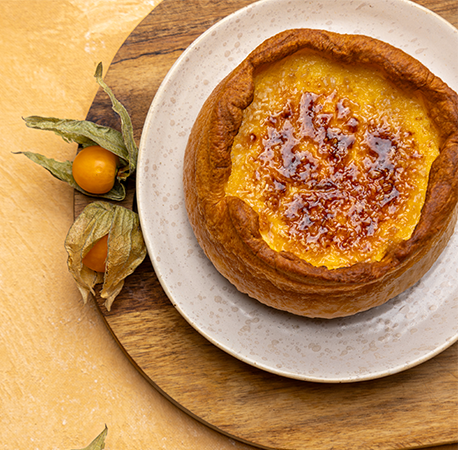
<point>414,409</point>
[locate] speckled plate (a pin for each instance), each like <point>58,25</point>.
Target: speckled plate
<point>404,332</point>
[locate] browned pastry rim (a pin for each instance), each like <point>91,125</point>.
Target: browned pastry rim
<point>228,229</point>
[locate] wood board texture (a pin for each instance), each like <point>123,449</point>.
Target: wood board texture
<point>414,409</point>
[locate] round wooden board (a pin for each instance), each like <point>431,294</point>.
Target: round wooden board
<point>248,404</point>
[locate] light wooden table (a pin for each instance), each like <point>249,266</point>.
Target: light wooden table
<point>62,376</point>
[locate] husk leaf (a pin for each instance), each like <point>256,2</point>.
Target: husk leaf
<point>86,133</point>
<point>99,442</point>
<point>127,129</point>
<point>126,251</point>
<point>82,132</point>
<point>126,248</point>
<point>62,170</point>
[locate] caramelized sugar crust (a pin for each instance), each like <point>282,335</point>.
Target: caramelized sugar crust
<point>334,159</point>
<point>229,229</point>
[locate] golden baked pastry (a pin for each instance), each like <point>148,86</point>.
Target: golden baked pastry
<point>320,176</point>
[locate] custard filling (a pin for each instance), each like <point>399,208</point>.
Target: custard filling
<point>335,160</point>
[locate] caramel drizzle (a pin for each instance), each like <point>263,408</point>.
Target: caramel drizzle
<point>345,177</point>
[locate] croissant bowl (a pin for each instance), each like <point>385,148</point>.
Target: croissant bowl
<point>230,230</point>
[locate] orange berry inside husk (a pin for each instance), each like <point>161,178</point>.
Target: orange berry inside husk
<point>94,169</point>
<point>97,255</point>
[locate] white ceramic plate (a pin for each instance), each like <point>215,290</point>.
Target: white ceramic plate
<point>404,332</point>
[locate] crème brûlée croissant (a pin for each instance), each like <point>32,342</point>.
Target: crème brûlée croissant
<point>321,175</point>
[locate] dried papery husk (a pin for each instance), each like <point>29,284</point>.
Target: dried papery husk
<point>87,134</point>
<point>99,442</point>
<point>126,248</point>
<point>83,132</point>
<point>127,129</point>
<point>62,170</point>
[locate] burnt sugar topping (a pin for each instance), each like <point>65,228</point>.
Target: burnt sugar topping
<point>334,159</point>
